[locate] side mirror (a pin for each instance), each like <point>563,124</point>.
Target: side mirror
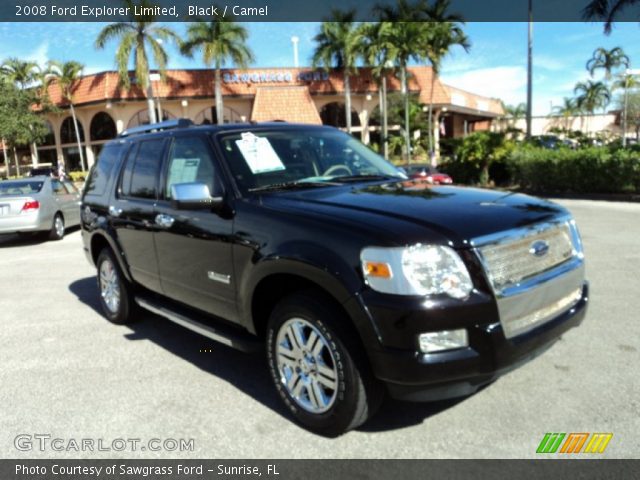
<point>194,196</point>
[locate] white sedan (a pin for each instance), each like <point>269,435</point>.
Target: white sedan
<point>39,204</point>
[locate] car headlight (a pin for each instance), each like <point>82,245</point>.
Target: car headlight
<point>416,270</point>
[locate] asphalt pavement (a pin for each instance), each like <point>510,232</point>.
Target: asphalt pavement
<point>68,373</point>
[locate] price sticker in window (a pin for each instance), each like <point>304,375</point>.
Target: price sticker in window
<point>259,154</point>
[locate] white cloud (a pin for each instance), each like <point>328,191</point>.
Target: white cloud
<point>507,83</point>
<point>40,55</point>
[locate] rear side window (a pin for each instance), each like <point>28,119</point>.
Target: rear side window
<point>103,169</point>
<point>141,173</point>
<point>20,188</point>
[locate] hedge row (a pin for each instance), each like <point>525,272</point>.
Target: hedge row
<point>591,170</point>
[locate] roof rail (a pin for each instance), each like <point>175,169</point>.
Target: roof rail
<point>155,127</point>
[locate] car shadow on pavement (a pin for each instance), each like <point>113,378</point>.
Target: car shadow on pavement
<point>14,240</point>
<point>247,372</point>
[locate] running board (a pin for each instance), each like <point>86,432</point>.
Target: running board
<point>222,334</point>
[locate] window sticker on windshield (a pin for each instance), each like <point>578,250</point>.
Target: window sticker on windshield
<point>259,154</point>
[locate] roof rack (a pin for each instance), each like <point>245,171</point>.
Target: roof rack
<point>156,127</point>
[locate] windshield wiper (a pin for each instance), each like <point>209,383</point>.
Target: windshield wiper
<point>365,177</point>
<point>290,186</point>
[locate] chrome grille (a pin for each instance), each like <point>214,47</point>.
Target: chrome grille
<point>514,260</point>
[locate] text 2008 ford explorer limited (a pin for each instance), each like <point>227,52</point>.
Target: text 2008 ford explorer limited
<point>357,281</point>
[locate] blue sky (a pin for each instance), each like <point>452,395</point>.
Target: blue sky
<point>495,65</point>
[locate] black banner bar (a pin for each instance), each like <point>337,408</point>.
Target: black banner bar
<point>317,469</point>
<point>290,10</point>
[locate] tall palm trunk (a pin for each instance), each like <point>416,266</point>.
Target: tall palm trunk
<point>385,118</point>
<point>430,118</point>
<point>405,91</point>
<point>75,126</point>
<point>218,97</point>
<point>150,103</point>
<point>347,101</point>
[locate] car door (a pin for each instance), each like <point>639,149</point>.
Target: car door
<point>132,210</point>
<point>72,202</point>
<point>194,247</point>
<point>63,202</point>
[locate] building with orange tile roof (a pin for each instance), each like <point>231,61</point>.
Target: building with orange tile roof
<point>104,107</point>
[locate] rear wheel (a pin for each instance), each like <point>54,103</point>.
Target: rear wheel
<point>57,228</point>
<point>318,368</point>
<point>116,299</point>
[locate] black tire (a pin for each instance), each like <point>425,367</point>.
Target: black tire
<point>123,312</point>
<point>358,394</point>
<point>57,233</point>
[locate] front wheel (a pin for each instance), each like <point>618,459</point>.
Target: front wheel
<point>115,293</point>
<point>318,368</point>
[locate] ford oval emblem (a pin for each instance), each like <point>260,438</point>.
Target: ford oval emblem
<point>539,248</point>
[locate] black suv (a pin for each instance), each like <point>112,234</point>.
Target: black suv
<point>356,280</point>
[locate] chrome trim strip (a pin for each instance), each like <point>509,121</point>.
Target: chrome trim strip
<point>514,234</point>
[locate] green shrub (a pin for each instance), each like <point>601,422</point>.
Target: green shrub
<point>587,170</point>
<point>78,176</point>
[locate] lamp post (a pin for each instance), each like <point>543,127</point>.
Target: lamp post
<point>530,70</point>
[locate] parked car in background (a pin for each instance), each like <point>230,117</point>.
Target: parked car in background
<point>39,204</point>
<point>428,173</point>
<point>553,142</point>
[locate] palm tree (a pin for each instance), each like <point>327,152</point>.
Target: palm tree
<point>447,33</point>
<point>22,73</point>
<point>136,36</point>
<point>338,46</point>
<point>375,52</point>
<point>568,109</point>
<point>67,75</point>
<point>624,83</point>
<point>591,96</point>
<point>606,10</point>
<point>607,60</point>
<point>514,113</point>
<point>219,41</point>
<point>406,35</point>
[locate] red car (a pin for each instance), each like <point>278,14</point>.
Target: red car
<point>428,173</point>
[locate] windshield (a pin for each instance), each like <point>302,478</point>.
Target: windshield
<point>276,159</point>
<point>20,188</point>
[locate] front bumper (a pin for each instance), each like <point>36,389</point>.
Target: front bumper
<point>414,376</point>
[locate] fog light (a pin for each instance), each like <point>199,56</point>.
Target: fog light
<point>443,340</point>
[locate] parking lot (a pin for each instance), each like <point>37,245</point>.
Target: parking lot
<point>67,372</point>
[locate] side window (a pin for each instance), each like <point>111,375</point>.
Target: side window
<point>58,188</point>
<point>71,188</point>
<point>190,161</point>
<point>103,168</point>
<point>142,170</point>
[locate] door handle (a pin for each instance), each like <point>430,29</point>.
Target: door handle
<point>164,221</point>
<point>114,211</point>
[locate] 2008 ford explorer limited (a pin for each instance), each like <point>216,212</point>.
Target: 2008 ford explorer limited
<point>357,282</point>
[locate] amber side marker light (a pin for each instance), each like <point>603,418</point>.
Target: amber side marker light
<point>377,269</point>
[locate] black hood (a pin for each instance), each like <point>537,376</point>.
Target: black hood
<point>458,213</point>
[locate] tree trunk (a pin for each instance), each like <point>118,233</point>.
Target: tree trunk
<point>151,104</point>
<point>407,133</point>
<point>430,119</point>
<point>75,125</point>
<point>6,159</point>
<point>218,98</point>
<point>347,103</point>
<point>624,115</point>
<point>385,119</point>
<point>15,159</point>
